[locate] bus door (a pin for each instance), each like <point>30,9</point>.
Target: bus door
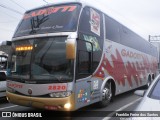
<point>83,73</point>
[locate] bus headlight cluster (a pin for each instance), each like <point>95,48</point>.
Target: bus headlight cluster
<point>67,106</point>
<point>60,94</point>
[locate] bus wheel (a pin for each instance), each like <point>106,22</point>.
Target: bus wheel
<point>106,95</point>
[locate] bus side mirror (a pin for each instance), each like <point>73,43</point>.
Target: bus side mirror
<point>139,93</point>
<point>71,49</point>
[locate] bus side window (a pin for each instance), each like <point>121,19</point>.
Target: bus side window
<point>112,29</point>
<point>84,59</point>
<point>90,41</point>
<point>84,64</point>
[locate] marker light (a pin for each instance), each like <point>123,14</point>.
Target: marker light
<point>67,106</point>
<point>24,48</point>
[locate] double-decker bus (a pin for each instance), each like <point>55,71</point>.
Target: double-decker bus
<point>72,54</point>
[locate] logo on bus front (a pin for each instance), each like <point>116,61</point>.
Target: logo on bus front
<point>29,91</point>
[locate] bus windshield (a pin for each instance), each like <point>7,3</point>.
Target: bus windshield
<point>42,59</point>
<point>58,18</point>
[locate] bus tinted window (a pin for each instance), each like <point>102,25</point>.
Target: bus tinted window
<point>84,62</point>
<point>48,20</point>
<point>112,29</point>
<point>119,33</point>
<point>91,34</point>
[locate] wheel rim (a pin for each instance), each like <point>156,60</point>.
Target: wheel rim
<point>107,94</point>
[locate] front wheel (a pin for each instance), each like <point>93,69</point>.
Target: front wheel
<point>106,95</point>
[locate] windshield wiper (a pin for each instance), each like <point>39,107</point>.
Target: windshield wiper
<point>36,22</point>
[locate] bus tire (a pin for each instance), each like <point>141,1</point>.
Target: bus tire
<point>107,95</point>
<point>153,76</point>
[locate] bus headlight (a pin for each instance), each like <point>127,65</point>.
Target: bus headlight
<point>60,94</point>
<point>67,106</point>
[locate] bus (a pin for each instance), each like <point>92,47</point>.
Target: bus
<point>3,61</point>
<point>70,55</point>
<point>3,66</point>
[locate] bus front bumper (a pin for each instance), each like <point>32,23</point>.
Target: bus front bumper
<point>58,104</point>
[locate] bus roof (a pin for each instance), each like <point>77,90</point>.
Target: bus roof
<point>51,4</point>
<point>93,5</point>
<point>83,2</point>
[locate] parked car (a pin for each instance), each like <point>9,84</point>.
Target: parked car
<point>2,83</point>
<point>150,103</point>
<point>3,66</point>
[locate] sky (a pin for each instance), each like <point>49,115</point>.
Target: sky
<point>141,16</point>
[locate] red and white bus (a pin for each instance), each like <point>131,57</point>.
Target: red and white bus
<point>71,55</point>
